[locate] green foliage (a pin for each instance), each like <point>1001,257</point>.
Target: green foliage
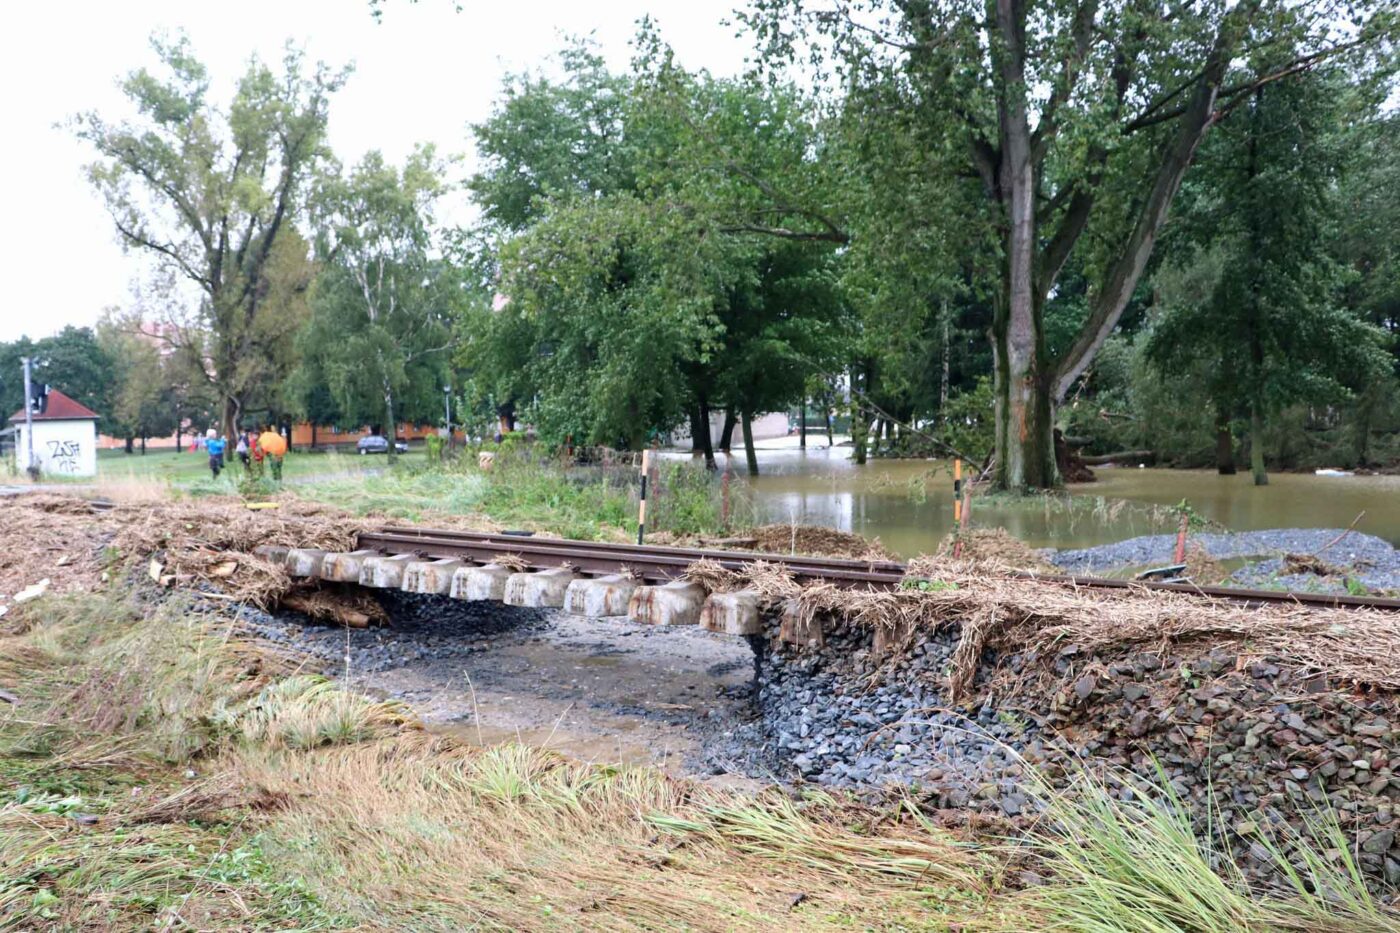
<point>381,309</point>
<point>210,194</point>
<point>72,361</point>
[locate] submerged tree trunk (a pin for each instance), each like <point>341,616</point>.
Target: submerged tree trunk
<point>1224,445</point>
<point>859,424</point>
<point>703,426</point>
<point>694,415</point>
<point>726,434</point>
<point>749,453</point>
<point>1256,446</point>
<point>802,425</point>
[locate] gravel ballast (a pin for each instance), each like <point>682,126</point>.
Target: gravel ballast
<point>1371,561</point>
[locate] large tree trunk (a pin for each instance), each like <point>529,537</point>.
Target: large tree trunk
<point>1024,418</point>
<point>1256,446</point>
<point>749,453</point>
<point>313,433</point>
<point>1224,444</point>
<point>726,434</point>
<point>130,444</point>
<point>802,425</point>
<point>694,416</point>
<point>389,423</point>
<point>233,409</point>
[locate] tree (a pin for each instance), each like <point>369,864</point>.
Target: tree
<point>381,314</point>
<point>72,361</point>
<point>1272,328</point>
<point>210,196</point>
<point>1077,122</point>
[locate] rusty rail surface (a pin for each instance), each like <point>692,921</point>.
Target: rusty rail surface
<point>660,564</point>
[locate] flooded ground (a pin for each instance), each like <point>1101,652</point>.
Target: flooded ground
<point>908,504</point>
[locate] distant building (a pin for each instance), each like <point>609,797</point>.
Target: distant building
<point>65,437</point>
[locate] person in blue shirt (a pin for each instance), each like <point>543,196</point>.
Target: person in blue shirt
<point>215,445</point>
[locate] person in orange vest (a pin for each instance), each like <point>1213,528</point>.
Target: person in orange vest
<point>274,448</point>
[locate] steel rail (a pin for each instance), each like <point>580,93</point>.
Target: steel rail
<point>659,564</point>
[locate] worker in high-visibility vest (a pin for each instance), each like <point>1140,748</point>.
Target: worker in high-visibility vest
<point>274,448</point>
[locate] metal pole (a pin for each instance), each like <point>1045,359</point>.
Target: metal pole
<point>28,417</point>
<point>447,401</point>
<point>642,504</point>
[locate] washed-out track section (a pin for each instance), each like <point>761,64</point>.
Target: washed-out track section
<point>644,583</point>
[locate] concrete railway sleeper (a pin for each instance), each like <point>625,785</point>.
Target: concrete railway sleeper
<point>662,564</point>
<point>643,584</point>
<point>673,602</point>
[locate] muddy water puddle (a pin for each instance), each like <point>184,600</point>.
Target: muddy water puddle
<point>908,504</point>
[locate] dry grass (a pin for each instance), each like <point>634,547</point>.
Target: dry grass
<point>996,547</point>
<point>519,838</point>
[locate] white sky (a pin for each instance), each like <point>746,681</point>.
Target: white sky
<point>422,74</point>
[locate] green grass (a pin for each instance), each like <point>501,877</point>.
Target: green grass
<point>181,468</point>
<point>586,503</point>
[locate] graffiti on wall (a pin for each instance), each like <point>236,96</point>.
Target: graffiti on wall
<point>63,456</point>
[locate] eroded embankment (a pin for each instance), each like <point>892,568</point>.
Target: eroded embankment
<point>1262,721</point>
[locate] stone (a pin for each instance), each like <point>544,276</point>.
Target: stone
<point>344,567</point>
<point>430,577</point>
<point>543,589</point>
<point>1379,842</point>
<point>599,597</point>
<point>480,584</point>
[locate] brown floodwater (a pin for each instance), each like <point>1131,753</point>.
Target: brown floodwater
<point>908,504</point>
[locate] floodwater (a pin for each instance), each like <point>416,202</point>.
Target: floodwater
<point>908,504</point>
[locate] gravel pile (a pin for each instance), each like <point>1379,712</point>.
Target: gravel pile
<point>841,716</point>
<point>1371,561</point>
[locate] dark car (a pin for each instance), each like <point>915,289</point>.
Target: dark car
<point>376,444</point>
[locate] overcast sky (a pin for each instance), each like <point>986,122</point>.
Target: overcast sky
<point>424,73</point>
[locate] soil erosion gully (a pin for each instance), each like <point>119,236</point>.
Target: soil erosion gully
<point>661,565</point>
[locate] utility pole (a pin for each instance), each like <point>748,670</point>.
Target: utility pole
<point>28,418</point>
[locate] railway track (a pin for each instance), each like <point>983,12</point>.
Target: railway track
<point>654,564</point>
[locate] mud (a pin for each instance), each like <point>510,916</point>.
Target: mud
<point>603,690</point>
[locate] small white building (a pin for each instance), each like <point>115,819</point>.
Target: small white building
<point>65,438</point>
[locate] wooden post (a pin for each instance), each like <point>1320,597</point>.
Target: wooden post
<point>642,504</point>
<point>957,490</point>
<point>724,499</point>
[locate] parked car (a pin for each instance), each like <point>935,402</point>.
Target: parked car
<point>377,444</point>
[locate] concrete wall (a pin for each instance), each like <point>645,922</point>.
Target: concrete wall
<point>765,427</point>
<point>61,448</point>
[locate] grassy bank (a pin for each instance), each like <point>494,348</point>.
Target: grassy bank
<point>161,771</point>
